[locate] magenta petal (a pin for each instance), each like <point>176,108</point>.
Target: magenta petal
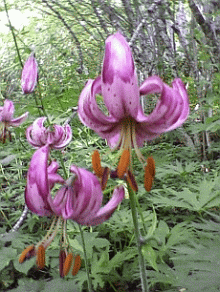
<point>36,133</point>
<point>37,189</point>
<point>7,111</point>
<point>119,80</point>
<point>171,111</point>
<point>105,212</point>
<point>29,75</point>
<point>18,121</point>
<point>62,136</point>
<point>88,197</point>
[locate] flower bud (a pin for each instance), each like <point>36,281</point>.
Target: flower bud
<point>29,75</point>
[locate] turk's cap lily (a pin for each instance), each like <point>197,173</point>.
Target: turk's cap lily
<point>118,84</point>
<point>29,75</point>
<point>79,198</point>
<point>7,113</point>
<point>58,137</point>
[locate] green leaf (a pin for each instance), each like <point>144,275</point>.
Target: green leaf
<point>150,256</point>
<point>6,255</point>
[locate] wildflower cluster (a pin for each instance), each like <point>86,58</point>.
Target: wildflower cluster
<point>126,127</point>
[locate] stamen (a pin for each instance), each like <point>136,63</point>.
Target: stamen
<point>151,166</point>
<point>137,150</point>
<point>105,176</point>
<point>41,257</point>
<point>123,163</point>
<point>50,235</point>
<point>148,179</point>
<point>27,253</point>
<point>131,180</point>
<point>67,264</point>
<point>96,164</point>
<point>77,265</point>
<point>62,257</point>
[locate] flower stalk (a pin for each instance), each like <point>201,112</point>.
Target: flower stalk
<point>86,259</point>
<point>143,274</point>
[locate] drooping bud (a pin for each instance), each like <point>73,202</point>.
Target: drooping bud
<point>77,265</point>
<point>67,264</point>
<point>123,163</point>
<point>29,75</point>
<point>27,253</point>
<point>96,164</point>
<point>41,257</point>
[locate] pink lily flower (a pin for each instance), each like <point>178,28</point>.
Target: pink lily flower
<point>80,197</point>
<point>58,137</point>
<point>29,75</point>
<point>6,117</point>
<point>126,125</point>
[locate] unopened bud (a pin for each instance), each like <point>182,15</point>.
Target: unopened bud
<point>29,75</point>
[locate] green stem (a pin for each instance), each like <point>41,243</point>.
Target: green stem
<point>138,238</point>
<point>86,260</point>
<point>13,34</point>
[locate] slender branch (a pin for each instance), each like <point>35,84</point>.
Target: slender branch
<point>70,31</point>
<point>13,34</point>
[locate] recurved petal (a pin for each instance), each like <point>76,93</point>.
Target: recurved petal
<point>36,133</point>
<point>37,189</point>
<point>119,80</point>
<point>170,112</point>
<point>18,121</point>
<point>89,112</point>
<point>7,111</point>
<point>105,212</point>
<point>62,136</point>
<point>88,198</point>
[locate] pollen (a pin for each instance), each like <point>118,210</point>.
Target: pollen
<point>148,179</point>
<point>67,264</point>
<point>77,265</point>
<point>41,257</point>
<point>96,164</point>
<point>151,166</point>
<point>123,163</point>
<point>26,253</point>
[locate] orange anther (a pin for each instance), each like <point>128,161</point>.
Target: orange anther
<point>123,163</point>
<point>151,166</point>
<point>148,179</point>
<point>62,257</point>
<point>26,253</point>
<point>96,164</point>
<point>67,264</point>
<point>77,265</point>
<point>105,176</point>
<point>41,257</point>
<point>131,180</point>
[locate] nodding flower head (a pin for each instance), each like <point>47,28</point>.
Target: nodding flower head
<point>55,136</point>
<point>126,126</point>
<point>29,75</point>
<point>79,198</point>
